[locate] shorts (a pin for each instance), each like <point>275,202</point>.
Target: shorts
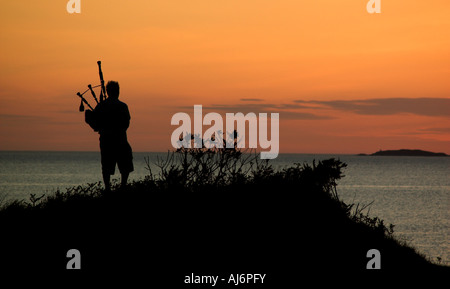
<point>116,150</point>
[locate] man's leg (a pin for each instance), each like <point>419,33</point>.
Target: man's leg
<point>106,180</point>
<point>125,162</point>
<point>107,160</point>
<point>124,178</point>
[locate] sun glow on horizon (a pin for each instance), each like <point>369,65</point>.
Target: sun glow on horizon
<point>343,80</point>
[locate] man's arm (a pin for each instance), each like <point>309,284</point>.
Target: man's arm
<point>127,117</point>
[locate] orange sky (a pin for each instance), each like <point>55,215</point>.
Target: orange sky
<point>343,80</point>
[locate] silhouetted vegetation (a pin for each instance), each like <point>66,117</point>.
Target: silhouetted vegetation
<point>218,210</point>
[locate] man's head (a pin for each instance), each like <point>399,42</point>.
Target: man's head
<point>113,89</point>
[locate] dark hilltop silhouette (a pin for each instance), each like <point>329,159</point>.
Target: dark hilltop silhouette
<point>210,212</point>
<point>406,153</point>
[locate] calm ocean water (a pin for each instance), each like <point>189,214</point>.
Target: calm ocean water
<point>413,193</point>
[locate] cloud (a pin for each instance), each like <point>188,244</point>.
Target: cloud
<point>244,108</point>
<point>294,115</point>
<point>67,111</point>
<point>435,130</point>
<point>388,106</point>
<point>286,111</point>
<point>310,109</point>
<point>252,99</point>
<point>18,120</point>
<point>13,118</point>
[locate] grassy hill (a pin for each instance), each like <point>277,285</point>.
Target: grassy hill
<point>207,212</point>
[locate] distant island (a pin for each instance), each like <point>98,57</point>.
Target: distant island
<point>406,153</point>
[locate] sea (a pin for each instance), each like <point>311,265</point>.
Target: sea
<point>412,193</point>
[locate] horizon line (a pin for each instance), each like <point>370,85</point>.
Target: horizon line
<point>281,153</point>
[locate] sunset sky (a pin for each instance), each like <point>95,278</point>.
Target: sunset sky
<point>342,80</point>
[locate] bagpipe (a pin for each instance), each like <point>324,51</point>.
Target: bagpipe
<point>90,116</point>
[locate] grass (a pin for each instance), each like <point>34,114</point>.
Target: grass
<point>208,211</point>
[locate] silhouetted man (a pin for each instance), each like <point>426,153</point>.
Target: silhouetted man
<point>113,120</point>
